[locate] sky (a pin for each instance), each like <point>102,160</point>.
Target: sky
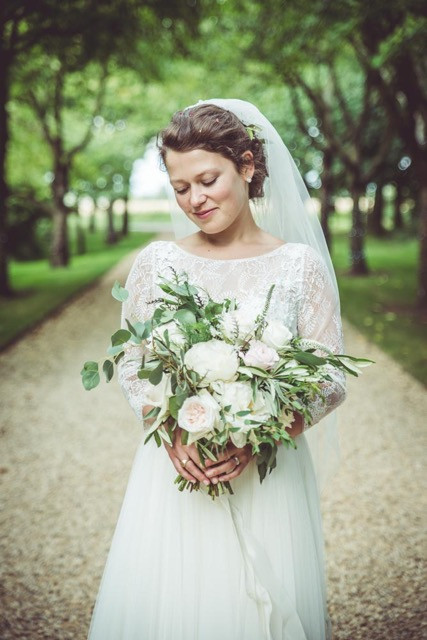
<point>147,179</point>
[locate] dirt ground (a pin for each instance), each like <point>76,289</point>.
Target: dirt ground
<point>66,455</point>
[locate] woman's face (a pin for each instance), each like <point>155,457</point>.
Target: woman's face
<point>209,188</point>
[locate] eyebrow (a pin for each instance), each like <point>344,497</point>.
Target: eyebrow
<point>197,176</point>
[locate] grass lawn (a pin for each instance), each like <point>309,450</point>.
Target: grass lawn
<point>381,305</point>
<point>40,289</point>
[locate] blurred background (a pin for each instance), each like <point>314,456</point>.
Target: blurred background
<point>85,87</point>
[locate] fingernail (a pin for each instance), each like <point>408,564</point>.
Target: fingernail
<point>215,480</point>
<point>206,482</point>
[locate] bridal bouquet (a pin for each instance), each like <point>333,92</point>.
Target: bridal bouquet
<point>220,373</point>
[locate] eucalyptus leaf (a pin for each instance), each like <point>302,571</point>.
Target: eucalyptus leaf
<point>114,351</point>
<point>156,375</point>
<point>90,375</point>
<point>185,317</point>
<point>108,369</point>
<point>119,293</point>
<point>144,374</point>
<point>120,337</point>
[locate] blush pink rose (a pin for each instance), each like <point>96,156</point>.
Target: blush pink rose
<point>260,355</point>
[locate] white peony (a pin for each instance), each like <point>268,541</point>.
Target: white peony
<point>214,359</point>
<point>199,415</point>
<point>240,320</point>
<point>276,335</point>
<point>236,394</point>
<point>176,337</point>
<point>260,355</point>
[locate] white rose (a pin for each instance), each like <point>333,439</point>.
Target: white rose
<point>214,359</point>
<point>241,321</point>
<point>236,394</point>
<point>260,355</point>
<point>276,334</point>
<point>176,337</point>
<point>199,415</point>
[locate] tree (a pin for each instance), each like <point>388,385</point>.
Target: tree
<point>389,39</point>
<point>79,33</point>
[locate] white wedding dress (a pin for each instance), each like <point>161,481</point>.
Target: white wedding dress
<point>245,567</point>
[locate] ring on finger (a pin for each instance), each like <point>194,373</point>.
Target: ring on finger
<point>236,460</point>
<point>184,462</point>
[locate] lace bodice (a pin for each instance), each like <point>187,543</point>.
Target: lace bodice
<point>302,298</point>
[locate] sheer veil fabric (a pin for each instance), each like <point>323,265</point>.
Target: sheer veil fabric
<point>286,211</point>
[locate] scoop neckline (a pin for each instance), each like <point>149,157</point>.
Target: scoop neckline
<point>248,258</point>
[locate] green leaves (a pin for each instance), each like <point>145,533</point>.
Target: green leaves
<point>304,357</point>
<point>120,337</point>
<point>119,293</point>
<point>185,317</point>
<point>108,369</point>
<point>90,375</point>
<point>156,375</point>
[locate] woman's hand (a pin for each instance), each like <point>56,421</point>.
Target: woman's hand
<point>230,464</point>
<point>297,426</point>
<point>186,460</point>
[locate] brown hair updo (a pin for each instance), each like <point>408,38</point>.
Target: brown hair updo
<point>214,129</point>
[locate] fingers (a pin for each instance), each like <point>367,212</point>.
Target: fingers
<point>225,455</point>
<point>194,469</point>
<point>190,469</point>
<point>183,470</point>
<point>223,467</point>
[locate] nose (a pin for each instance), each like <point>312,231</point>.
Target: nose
<point>197,197</point>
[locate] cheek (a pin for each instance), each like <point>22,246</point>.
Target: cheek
<point>228,190</point>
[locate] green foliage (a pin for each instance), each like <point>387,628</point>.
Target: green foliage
<point>119,293</point>
<point>90,375</point>
<point>40,289</point>
<point>381,305</point>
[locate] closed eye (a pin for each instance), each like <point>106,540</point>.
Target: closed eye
<point>204,183</point>
<point>207,184</point>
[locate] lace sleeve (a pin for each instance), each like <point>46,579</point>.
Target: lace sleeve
<point>319,319</point>
<point>140,286</point>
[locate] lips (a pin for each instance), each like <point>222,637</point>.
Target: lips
<point>204,214</point>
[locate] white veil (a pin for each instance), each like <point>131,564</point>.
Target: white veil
<point>285,211</point>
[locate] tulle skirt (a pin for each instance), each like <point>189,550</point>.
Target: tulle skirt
<point>244,567</point>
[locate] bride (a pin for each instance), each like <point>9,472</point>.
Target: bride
<point>248,566</point>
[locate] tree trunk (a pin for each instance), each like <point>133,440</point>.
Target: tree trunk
<point>92,221</point>
<point>358,266</point>
<point>59,253</point>
<point>326,197</point>
<point>397,217</point>
<point>422,272</point>
<point>376,216</point>
<point>5,289</point>
<point>125,222</point>
<point>111,237</point>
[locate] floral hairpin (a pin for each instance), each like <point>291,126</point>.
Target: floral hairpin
<point>252,130</point>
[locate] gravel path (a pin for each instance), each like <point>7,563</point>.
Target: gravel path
<point>66,456</point>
